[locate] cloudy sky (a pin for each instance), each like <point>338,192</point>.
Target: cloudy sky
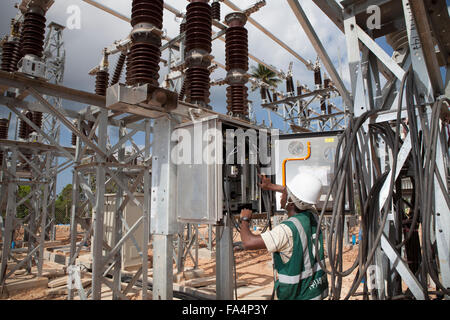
<point>99,29</point>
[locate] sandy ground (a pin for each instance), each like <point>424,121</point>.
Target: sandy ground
<point>252,267</point>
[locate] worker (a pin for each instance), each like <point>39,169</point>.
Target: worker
<point>292,242</point>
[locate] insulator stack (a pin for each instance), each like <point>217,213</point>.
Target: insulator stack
<point>237,100</point>
<point>128,67</point>
<point>33,32</point>
<point>37,119</point>
<point>263,92</point>
<point>182,27</point>
<point>145,53</point>
<point>11,55</point>
<point>198,49</point>
<point>183,90</point>
<point>101,82</point>
<point>236,49</point>
<point>323,106</point>
<point>327,83</point>
<point>198,79</point>
<point>24,128</point>
<point>74,136</point>
<point>317,77</point>
<point>144,64</point>
<point>119,69</point>
<point>74,139</point>
<point>300,90</point>
<point>289,85</point>
<point>198,26</point>
<point>4,126</point>
<point>215,7</point>
<point>147,11</point>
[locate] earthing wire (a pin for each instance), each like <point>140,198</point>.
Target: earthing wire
<point>393,178</point>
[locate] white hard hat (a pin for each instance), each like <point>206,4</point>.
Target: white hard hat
<point>306,187</point>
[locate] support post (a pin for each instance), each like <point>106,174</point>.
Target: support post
<point>146,221</point>
<point>98,214</point>
<point>74,207</point>
<point>163,209</point>
<point>224,260</point>
<point>10,214</point>
<point>46,177</point>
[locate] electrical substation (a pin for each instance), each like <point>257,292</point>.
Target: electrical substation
<point>159,176</point>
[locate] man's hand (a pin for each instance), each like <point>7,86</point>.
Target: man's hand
<point>266,183</point>
<point>246,213</point>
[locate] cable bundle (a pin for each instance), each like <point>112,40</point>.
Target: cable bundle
<point>350,183</point>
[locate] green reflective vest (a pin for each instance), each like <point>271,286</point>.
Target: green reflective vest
<point>301,278</point>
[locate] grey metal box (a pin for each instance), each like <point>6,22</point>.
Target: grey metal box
<point>320,159</point>
<point>199,175</point>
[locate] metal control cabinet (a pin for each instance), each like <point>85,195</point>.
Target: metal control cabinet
<point>311,152</point>
<point>203,171</point>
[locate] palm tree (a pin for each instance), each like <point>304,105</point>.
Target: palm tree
<point>267,76</point>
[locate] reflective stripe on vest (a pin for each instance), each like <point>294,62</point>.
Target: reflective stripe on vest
<point>302,234</point>
<point>304,275</point>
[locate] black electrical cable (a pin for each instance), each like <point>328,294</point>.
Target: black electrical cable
<point>391,187</point>
<point>430,167</point>
<point>342,167</point>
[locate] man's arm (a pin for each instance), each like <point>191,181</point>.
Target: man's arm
<point>249,240</point>
<point>266,184</point>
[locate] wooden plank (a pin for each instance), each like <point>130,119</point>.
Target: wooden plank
<point>63,290</point>
<point>58,282</point>
<point>200,282</point>
<point>194,273</point>
<point>204,282</point>
<point>20,285</point>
